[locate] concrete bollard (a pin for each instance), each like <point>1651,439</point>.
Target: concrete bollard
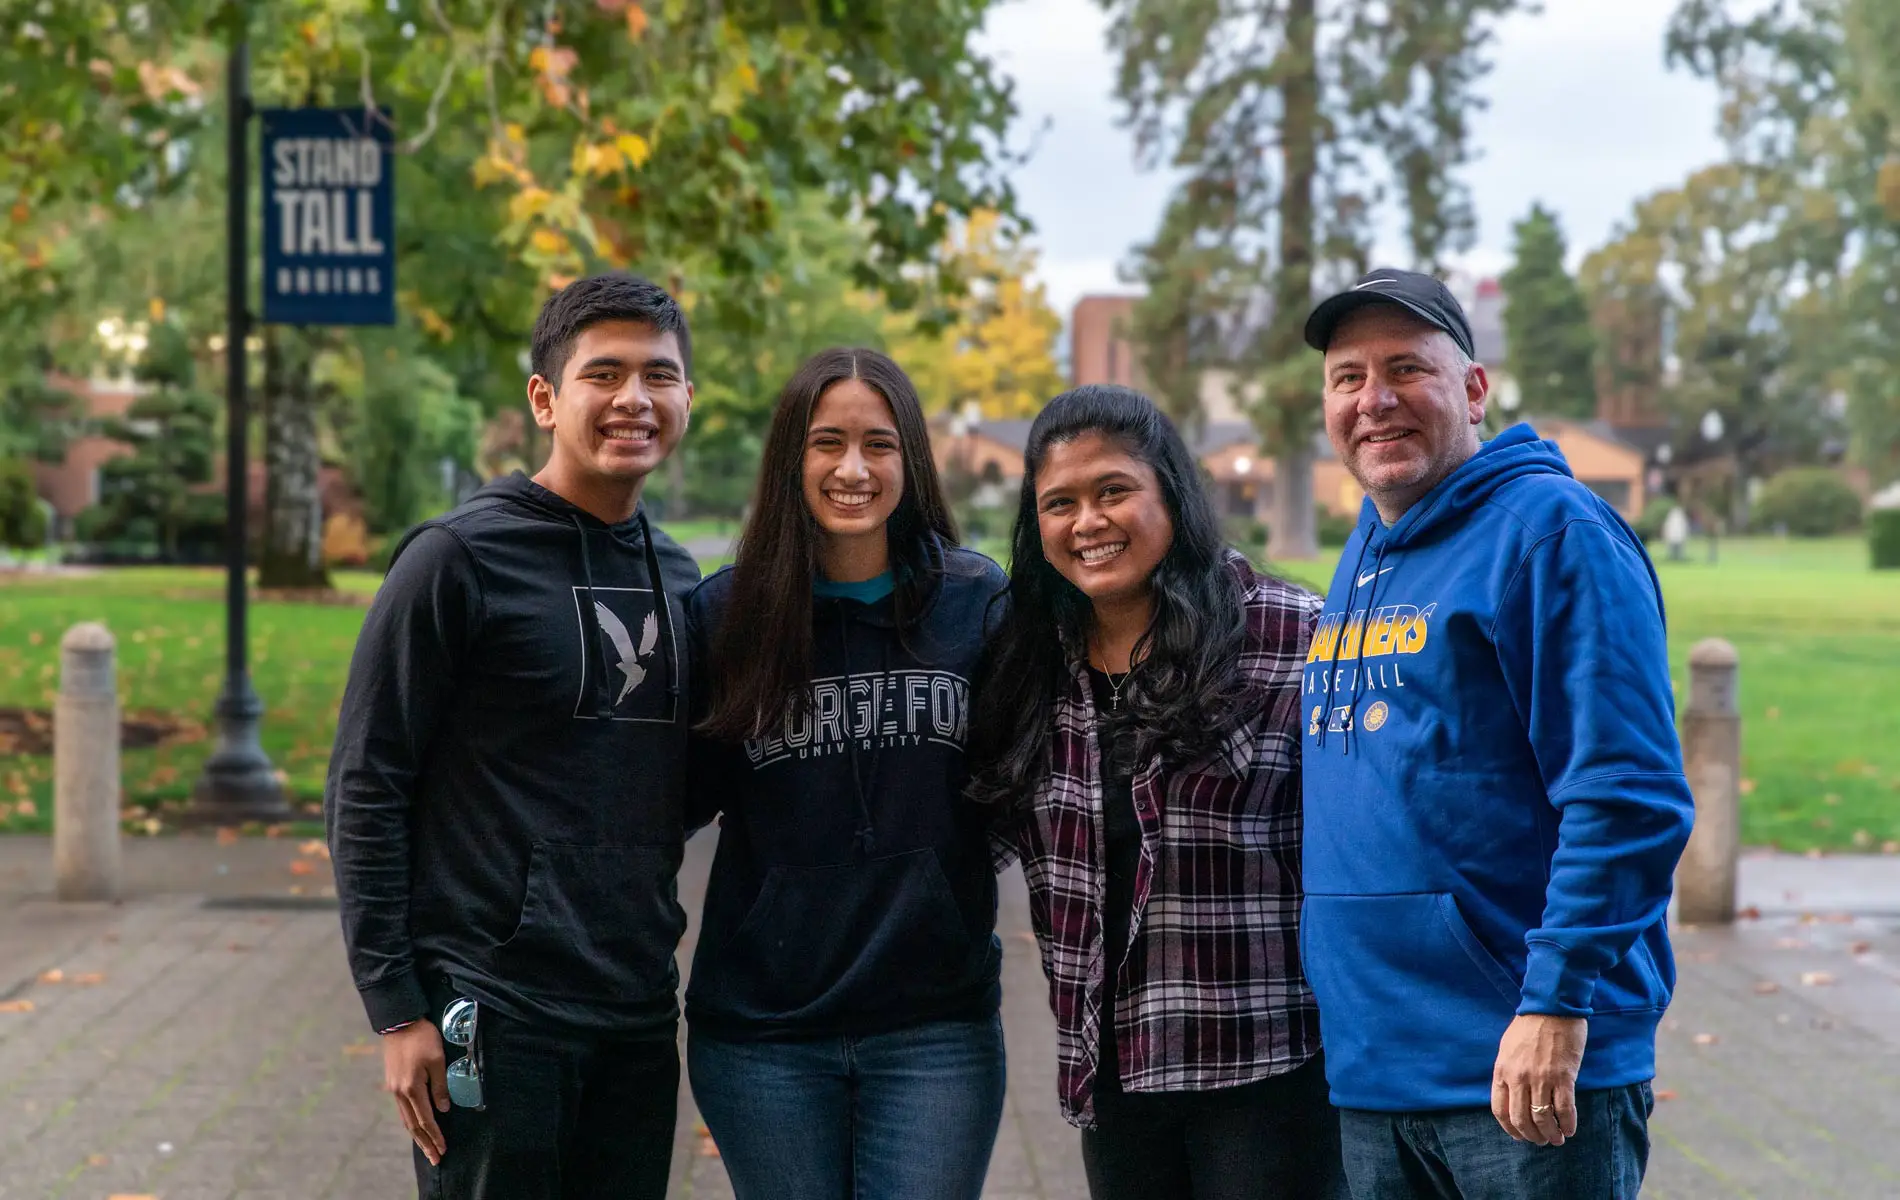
<point>1712,759</point>
<point>86,767</point>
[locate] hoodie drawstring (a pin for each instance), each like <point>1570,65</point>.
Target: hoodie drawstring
<point>1365,635</point>
<point>864,838</point>
<point>603,709</point>
<point>662,606</point>
<point>1339,641</point>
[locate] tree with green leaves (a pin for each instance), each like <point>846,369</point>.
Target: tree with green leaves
<point>1549,345</point>
<point>1811,109</point>
<point>1291,122</point>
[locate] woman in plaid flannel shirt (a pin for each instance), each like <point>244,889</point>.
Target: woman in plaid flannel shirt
<point>1137,730</point>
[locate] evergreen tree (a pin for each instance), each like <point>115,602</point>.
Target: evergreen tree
<point>151,496</point>
<point>1549,345</point>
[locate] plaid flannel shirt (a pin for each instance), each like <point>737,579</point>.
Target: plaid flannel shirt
<point>1214,995</point>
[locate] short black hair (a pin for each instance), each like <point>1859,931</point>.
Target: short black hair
<point>585,303</point>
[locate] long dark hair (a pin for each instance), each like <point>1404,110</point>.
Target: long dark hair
<point>762,651</point>
<point>1186,681</point>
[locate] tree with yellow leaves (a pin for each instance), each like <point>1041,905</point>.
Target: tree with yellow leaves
<point>993,345</point>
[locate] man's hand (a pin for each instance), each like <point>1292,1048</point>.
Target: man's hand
<point>415,1071</point>
<point>1534,1085</point>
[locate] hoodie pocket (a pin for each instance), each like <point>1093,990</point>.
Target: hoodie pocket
<point>598,923</point>
<point>1412,1005</point>
<point>852,937</point>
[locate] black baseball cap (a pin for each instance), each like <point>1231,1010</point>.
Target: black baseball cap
<point>1423,295</point>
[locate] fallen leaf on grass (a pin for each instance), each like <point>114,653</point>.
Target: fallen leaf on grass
<point>300,867</point>
<point>1706,1039</point>
<point>1665,1094</point>
<point>97,1160</point>
<point>1767,988</point>
<point>1747,787</point>
<point>12,1006</point>
<point>53,976</point>
<point>1773,713</point>
<point>1816,979</point>
<point>1890,847</point>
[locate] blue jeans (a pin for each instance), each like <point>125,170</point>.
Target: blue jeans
<point>1464,1154</point>
<point>907,1115</point>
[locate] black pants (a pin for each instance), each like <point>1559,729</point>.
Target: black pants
<point>564,1118</point>
<point>1277,1139</point>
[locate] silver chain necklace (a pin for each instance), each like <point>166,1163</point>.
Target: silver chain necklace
<point>1115,689</point>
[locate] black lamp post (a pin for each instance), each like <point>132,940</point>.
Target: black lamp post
<point>238,783</point>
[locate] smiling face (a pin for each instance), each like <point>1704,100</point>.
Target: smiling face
<point>1103,518</point>
<point>1402,405</point>
<point>621,408</point>
<point>853,477</point>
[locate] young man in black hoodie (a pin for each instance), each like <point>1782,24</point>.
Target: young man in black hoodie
<point>505,794</point>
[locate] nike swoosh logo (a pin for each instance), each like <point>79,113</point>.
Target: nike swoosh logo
<point>1369,283</point>
<point>1369,576</point>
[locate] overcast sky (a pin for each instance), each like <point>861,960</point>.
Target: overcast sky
<point>1582,116</point>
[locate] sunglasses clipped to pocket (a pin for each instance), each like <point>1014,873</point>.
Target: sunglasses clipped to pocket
<point>465,1073</point>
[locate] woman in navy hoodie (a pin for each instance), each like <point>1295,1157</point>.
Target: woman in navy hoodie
<point>844,1035</point>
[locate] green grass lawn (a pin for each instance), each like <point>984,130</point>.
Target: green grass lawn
<point>1818,633</point>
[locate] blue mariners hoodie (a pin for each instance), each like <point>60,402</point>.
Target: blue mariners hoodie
<point>1494,792</point>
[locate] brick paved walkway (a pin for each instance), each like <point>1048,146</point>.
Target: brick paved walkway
<point>202,1042</point>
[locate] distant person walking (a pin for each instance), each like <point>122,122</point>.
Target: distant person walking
<point>505,801</point>
<point>1495,800</point>
<point>1139,738</point>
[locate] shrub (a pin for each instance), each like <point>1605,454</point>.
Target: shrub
<point>22,521</point>
<point>1807,502</point>
<point>378,559</point>
<point>1335,528</point>
<point>1883,538</point>
<point>1649,526</point>
<point>1249,535</point>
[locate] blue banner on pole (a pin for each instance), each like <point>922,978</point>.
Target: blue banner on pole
<point>329,217</point>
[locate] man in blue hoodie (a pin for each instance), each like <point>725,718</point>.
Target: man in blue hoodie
<point>1494,792</point>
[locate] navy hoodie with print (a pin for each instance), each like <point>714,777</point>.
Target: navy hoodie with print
<point>853,892</point>
<point>505,801</point>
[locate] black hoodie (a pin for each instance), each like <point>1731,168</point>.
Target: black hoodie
<point>505,793</point>
<point>853,891</point>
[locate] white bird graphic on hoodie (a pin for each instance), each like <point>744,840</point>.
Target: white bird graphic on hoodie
<point>623,646</point>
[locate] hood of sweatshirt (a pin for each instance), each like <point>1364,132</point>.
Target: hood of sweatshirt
<point>609,677</point>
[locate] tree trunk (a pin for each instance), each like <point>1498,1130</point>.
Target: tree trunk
<point>1293,533</point>
<point>291,549</point>
<point>1294,404</point>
